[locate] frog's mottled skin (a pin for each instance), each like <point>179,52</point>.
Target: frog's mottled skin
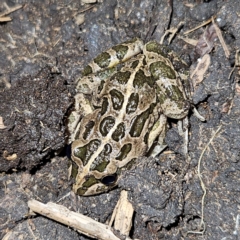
<point>123,110</point>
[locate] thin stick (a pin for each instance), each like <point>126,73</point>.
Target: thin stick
<point>220,37</point>
<point>202,224</point>
<point>10,10</point>
<point>81,223</point>
<point>199,26</point>
<point>5,19</point>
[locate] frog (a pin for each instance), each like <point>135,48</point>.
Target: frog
<point>123,100</point>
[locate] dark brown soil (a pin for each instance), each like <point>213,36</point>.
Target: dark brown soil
<point>44,49</point>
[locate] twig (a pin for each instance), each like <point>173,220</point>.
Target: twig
<point>220,37</point>
<point>199,26</point>
<point>237,63</point>
<point>77,221</point>
<point>122,214</point>
<point>202,224</point>
<point>173,32</point>
<point>2,126</point>
<point>5,19</point>
<point>10,10</point>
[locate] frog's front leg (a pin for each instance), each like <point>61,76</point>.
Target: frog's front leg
<point>158,132</point>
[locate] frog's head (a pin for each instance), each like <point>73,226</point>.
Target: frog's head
<point>88,184</point>
<point>93,172</point>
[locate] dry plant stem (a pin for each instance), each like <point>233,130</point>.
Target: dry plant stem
<point>220,37</point>
<point>202,224</point>
<point>173,32</point>
<point>122,215</point>
<point>199,26</point>
<point>84,10</point>
<point>198,74</point>
<point>89,1</point>
<point>10,10</point>
<point>2,126</point>
<point>6,82</point>
<point>189,40</point>
<point>237,59</point>
<point>197,115</point>
<point>237,63</point>
<point>5,19</point>
<point>183,132</point>
<point>7,236</point>
<point>81,223</point>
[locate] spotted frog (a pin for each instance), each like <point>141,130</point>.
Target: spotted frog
<point>122,103</point>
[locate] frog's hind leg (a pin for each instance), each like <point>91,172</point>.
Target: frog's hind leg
<point>158,130</point>
<point>80,110</point>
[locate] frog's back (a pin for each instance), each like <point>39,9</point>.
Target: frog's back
<point>115,134</point>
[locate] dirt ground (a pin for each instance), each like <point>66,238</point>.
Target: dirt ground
<point>44,48</point>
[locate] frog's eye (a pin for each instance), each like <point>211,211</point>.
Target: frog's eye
<point>68,150</point>
<point>109,180</point>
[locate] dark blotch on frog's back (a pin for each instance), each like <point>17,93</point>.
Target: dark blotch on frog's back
<point>106,125</point>
<point>117,99</point>
<point>119,133</point>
